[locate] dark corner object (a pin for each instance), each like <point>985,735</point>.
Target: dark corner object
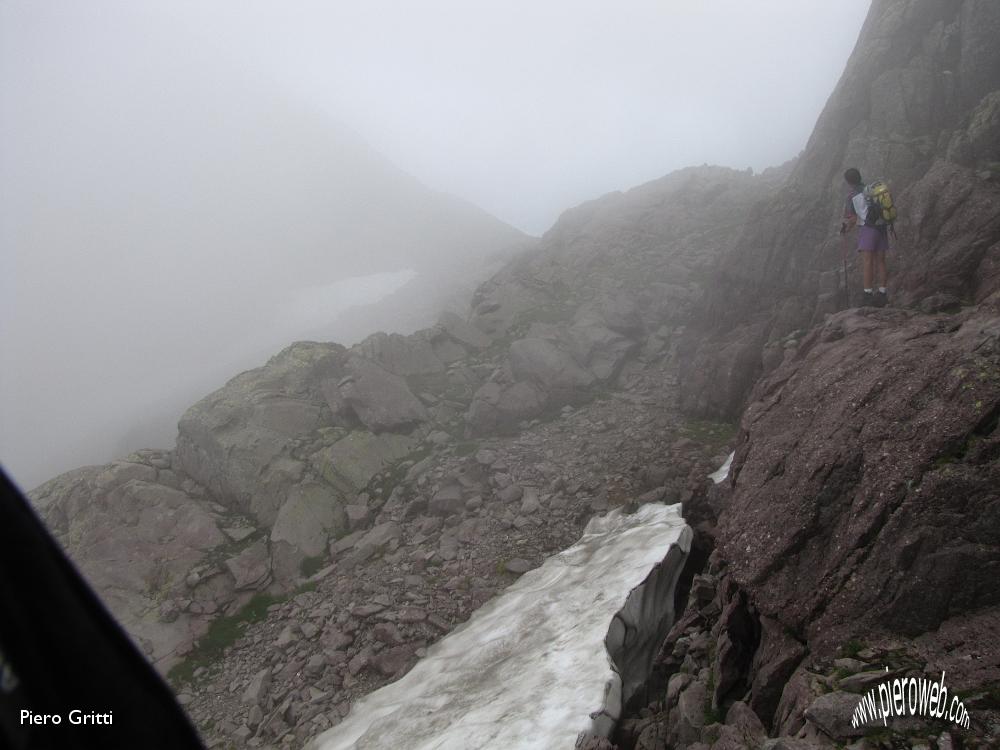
<point>61,652</point>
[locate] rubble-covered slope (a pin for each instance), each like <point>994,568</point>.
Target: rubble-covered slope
<point>285,453</point>
<point>500,680</point>
<point>267,472</point>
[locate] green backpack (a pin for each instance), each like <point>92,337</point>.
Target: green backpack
<point>881,210</point>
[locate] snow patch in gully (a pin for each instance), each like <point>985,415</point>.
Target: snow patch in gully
<point>557,654</point>
<point>722,473</point>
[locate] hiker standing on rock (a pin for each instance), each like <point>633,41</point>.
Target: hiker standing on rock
<point>867,207</point>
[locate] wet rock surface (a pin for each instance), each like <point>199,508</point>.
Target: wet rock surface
<point>878,447</point>
<point>789,696</point>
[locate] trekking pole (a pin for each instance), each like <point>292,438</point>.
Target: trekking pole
<point>843,254</point>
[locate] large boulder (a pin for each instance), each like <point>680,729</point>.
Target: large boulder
<point>504,301</point>
<point>555,364</point>
<point>275,482</point>
<point>501,408</point>
<point>618,312</point>
<point>401,355</point>
<point>251,567</point>
<point>545,363</point>
<point>349,464</point>
<point>832,714</point>
<point>774,662</point>
<point>148,548</point>
<point>864,490</point>
<point>462,331</point>
<point>227,440</point>
<point>595,351</point>
<point>599,348</point>
<point>381,400</point>
<point>312,514</point>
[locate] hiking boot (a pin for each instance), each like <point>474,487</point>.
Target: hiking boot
<point>881,299</point>
<point>867,299</point>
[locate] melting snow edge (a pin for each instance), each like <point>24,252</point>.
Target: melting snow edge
<point>539,664</point>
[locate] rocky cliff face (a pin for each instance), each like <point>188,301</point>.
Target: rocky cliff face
<point>877,446</point>
<point>857,532</point>
<point>873,440</point>
<point>918,106</point>
<point>860,516</point>
<point>612,276</point>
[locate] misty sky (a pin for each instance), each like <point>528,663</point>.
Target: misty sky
<point>166,187</point>
<point>527,108</point>
<point>524,108</point>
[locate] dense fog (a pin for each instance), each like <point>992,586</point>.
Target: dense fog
<point>185,187</point>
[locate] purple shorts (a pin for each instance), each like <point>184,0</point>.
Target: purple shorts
<point>872,239</point>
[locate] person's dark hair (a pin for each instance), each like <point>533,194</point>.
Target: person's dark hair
<point>853,176</point>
